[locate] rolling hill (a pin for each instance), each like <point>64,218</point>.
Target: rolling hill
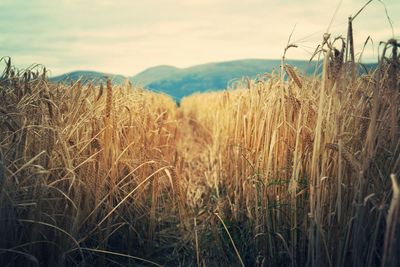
<point>153,74</point>
<point>181,82</point>
<point>216,76</point>
<point>86,76</point>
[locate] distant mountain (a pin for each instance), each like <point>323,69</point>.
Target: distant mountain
<point>180,82</point>
<point>216,76</point>
<point>153,74</point>
<point>86,76</point>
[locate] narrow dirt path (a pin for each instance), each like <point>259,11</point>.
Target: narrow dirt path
<point>192,144</point>
<point>193,147</point>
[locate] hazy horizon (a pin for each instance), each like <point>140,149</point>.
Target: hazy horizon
<point>123,37</point>
<point>367,61</point>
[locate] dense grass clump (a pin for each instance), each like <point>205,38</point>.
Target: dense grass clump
<point>301,169</point>
<point>84,171</point>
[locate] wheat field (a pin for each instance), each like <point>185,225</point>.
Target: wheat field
<point>283,170</point>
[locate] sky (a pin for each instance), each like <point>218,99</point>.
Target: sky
<point>128,36</point>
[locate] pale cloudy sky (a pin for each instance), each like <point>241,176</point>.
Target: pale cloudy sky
<point>127,36</point>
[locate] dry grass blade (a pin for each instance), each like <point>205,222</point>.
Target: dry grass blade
<point>122,255</point>
<point>197,243</point>
<point>392,223</point>
<point>231,239</point>
<point>30,257</point>
<point>131,193</point>
<point>26,165</point>
<point>2,170</point>
<point>60,230</point>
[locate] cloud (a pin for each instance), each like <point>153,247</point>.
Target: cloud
<point>127,36</point>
